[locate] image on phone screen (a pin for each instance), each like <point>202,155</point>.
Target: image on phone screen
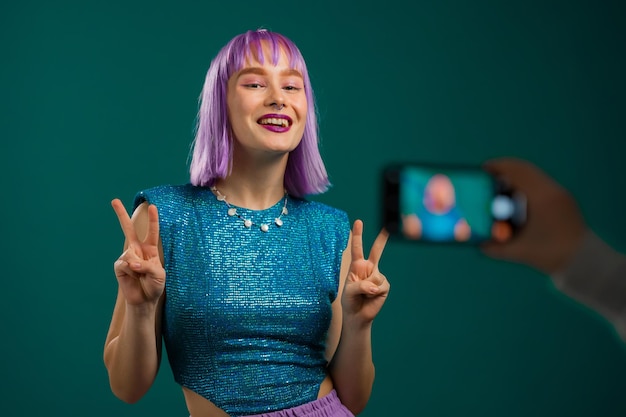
<point>449,204</point>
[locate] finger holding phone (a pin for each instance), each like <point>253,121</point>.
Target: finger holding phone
<point>554,227</point>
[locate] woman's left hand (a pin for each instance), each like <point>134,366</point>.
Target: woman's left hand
<point>366,288</point>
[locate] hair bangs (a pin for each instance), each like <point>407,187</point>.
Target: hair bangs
<point>261,45</point>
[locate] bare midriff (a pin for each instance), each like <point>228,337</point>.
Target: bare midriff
<point>199,406</point>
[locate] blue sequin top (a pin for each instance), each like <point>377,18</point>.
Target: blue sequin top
<point>247,312</point>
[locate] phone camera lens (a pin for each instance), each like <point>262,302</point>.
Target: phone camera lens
<point>502,207</point>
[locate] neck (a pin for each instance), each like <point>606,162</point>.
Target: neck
<point>254,185</point>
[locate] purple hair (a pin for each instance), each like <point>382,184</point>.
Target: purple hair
<point>213,147</point>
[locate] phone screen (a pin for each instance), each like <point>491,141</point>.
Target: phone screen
<point>449,204</point>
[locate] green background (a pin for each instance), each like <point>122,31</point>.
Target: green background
<point>98,101</point>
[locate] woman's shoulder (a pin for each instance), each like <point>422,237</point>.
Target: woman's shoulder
<point>175,189</point>
<point>170,194</point>
<point>319,210</point>
<point>312,205</point>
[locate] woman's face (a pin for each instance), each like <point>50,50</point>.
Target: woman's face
<point>254,98</point>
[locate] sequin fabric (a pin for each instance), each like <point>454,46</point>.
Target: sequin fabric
<point>247,312</point>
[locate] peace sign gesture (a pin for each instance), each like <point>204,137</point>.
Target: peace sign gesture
<point>366,288</point>
<point>139,269</point>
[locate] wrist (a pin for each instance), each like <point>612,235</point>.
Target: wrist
<point>567,252</point>
<point>355,323</point>
<point>143,310</point>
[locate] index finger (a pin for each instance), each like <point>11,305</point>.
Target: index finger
<point>357,240</point>
<point>378,246</point>
<point>512,168</point>
<point>518,173</point>
<point>525,177</point>
<point>125,222</point>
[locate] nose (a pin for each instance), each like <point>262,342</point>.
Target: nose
<point>275,98</point>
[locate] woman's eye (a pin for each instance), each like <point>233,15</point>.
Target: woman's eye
<point>292,88</point>
<point>253,85</point>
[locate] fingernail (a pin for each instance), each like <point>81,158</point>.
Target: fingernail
<point>135,265</point>
<point>374,290</point>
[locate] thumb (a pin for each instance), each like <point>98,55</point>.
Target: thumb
<point>359,288</point>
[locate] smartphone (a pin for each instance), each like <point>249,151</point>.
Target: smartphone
<point>442,203</point>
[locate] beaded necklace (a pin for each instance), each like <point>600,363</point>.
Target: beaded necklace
<point>248,223</point>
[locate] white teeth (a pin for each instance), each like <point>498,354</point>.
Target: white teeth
<point>274,121</point>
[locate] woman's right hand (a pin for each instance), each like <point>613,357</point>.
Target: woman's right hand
<point>139,270</point>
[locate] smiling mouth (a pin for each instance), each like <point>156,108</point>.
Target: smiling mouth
<point>273,121</point>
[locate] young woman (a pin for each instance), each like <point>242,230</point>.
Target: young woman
<point>264,299</point>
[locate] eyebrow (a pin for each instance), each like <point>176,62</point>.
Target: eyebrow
<point>261,71</point>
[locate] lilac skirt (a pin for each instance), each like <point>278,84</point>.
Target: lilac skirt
<point>328,406</point>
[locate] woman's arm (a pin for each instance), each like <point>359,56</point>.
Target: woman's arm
<point>596,276</point>
<point>132,351</point>
<point>363,291</point>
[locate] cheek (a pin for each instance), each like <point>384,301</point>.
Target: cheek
<point>235,118</point>
<point>302,109</point>
<point>303,104</point>
<point>236,111</point>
